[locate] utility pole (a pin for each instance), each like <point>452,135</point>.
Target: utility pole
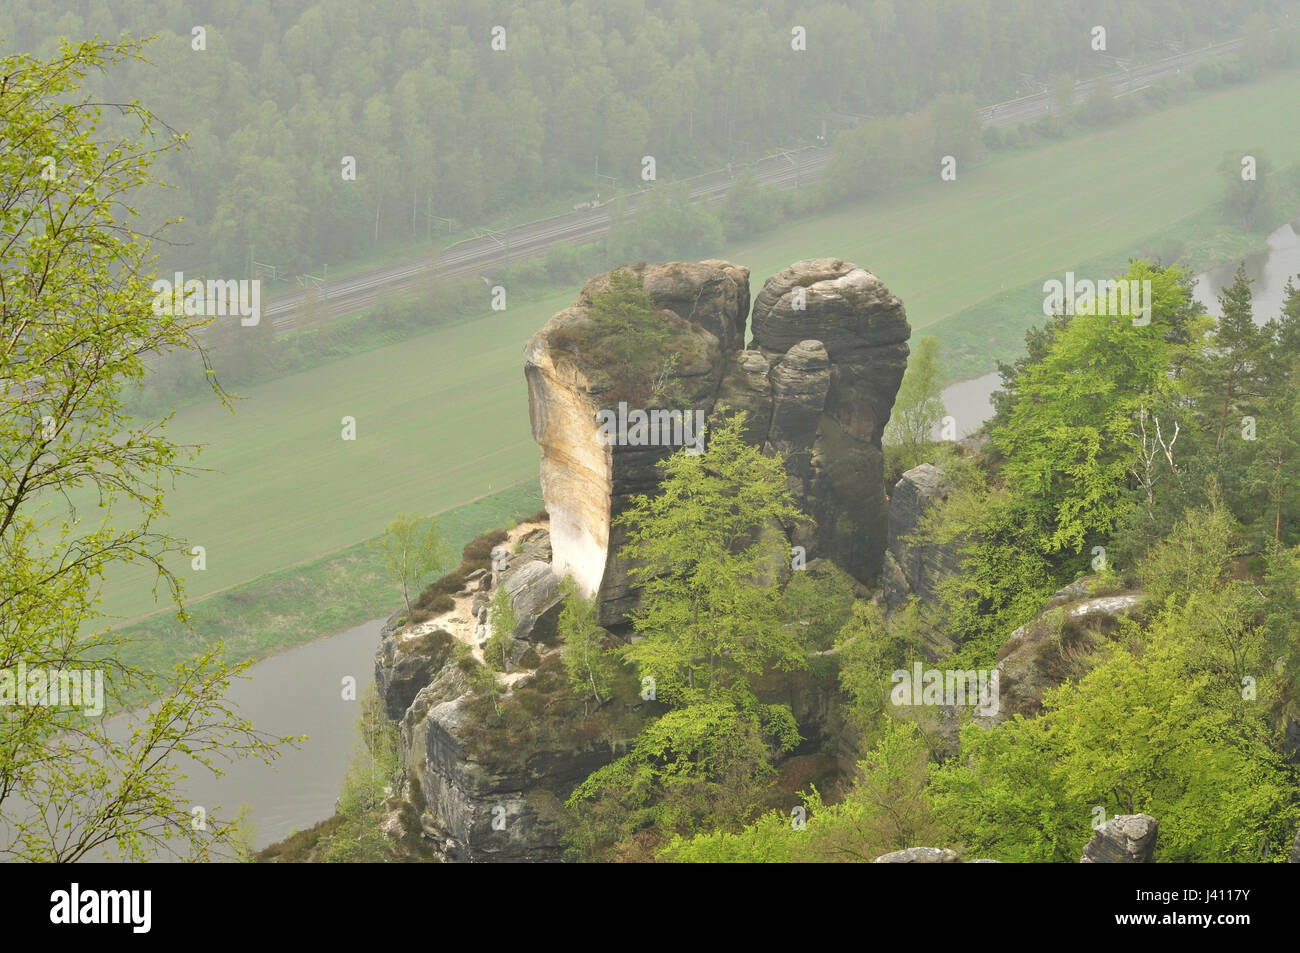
<point>501,238</point>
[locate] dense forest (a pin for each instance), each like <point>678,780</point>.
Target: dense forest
<point>445,128</point>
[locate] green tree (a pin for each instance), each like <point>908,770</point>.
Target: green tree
<point>1251,199</point>
<point>501,643</point>
<point>699,766</point>
<point>1063,93</point>
<point>705,550</point>
<point>591,663</point>
<point>1226,379</point>
<point>667,226</point>
<point>885,809</point>
<point>919,407</point>
<point>1068,439</point>
<point>870,649</point>
<point>1157,729</point>
<point>633,342</point>
<point>818,603</point>
<point>411,554</point>
<point>748,208</point>
<point>76,320</point>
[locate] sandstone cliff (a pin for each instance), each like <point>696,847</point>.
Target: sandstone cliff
<point>912,566</point>
<point>485,770</point>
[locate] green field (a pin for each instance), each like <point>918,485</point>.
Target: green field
<point>1028,216</point>
<point>442,419</point>
<point>323,596</point>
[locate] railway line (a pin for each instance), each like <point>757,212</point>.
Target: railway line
<point>784,169</point>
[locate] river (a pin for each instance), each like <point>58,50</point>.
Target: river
<point>296,692</point>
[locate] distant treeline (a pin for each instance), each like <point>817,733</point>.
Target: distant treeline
<point>443,127</point>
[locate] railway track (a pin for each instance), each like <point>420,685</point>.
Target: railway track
<point>475,256</point>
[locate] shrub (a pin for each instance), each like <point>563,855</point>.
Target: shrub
<point>480,547</point>
<point>1049,127</point>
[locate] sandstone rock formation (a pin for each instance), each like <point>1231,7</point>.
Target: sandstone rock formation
<point>1057,643</point>
<point>913,567</point>
<point>927,855</point>
<point>818,381</point>
<point>480,810</point>
<point>1126,839</point>
<point>585,482</point>
<point>469,796</point>
<point>920,855</point>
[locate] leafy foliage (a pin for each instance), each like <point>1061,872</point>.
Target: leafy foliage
<point>884,810</point>
<point>1155,730</point>
<point>918,408</point>
<point>409,554</point>
<point>591,662</point>
<point>703,549</point>
<point>703,764</point>
<point>75,322</point>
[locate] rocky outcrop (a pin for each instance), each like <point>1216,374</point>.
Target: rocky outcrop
<point>817,384</point>
<point>535,597</point>
<point>1058,643</point>
<point>863,331</point>
<point>405,664</point>
<point>927,855</point>
<point>920,855</point>
<point>713,294</point>
<point>476,789</point>
<point>587,483</point>
<point>480,811</point>
<point>914,567</point>
<point>1126,839</point>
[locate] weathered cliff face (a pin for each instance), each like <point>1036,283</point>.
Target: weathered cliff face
<point>1124,839</point>
<point>913,567</point>
<point>586,483</point>
<point>817,383</point>
<point>477,792</point>
<point>478,810</point>
<point>837,342</point>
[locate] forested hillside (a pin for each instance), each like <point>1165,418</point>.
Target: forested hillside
<point>445,127</point>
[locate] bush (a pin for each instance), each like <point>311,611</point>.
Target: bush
<point>1049,127</point>
<point>430,605</point>
<point>479,549</point>
<point>525,274</point>
<point>562,263</point>
<point>1207,74</point>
